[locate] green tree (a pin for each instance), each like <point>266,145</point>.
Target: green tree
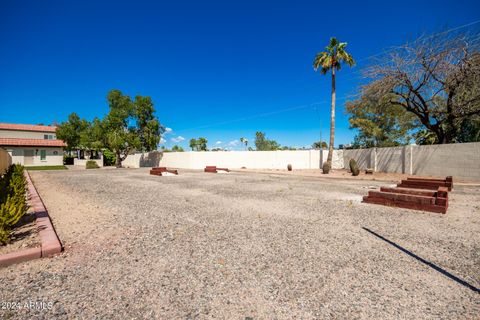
<point>148,127</point>
<point>193,144</point>
<point>176,148</point>
<point>318,145</point>
<point>331,60</point>
<point>202,144</point>
<point>380,123</point>
<point>263,144</point>
<point>436,79</point>
<point>130,126</point>
<point>71,130</point>
<point>244,141</point>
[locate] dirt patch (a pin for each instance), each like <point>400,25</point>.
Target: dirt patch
<point>24,236</point>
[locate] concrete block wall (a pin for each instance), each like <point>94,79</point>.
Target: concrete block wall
<point>299,159</point>
<point>460,160</point>
<point>457,160</point>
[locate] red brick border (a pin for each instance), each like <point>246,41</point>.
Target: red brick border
<point>50,244</point>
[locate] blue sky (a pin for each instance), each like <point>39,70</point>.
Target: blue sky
<point>222,70</point>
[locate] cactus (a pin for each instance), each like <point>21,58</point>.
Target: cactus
<point>326,167</point>
<point>354,167</point>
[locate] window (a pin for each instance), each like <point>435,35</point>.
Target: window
<point>49,137</point>
<point>43,154</point>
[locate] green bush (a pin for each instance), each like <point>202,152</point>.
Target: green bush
<point>13,201</point>
<point>108,158</point>
<point>68,160</point>
<point>91,164</point>
<point>326,167</point>
<point>354,167</point>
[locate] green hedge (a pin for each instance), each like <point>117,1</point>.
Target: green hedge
<point>91,164</point>
<point>13,201</point>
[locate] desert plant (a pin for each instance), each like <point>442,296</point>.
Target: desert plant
<point>354,167</point>
<point>326,167</point>
<point>289,167</point>
<point>91,164</point>
<point>13,202</point>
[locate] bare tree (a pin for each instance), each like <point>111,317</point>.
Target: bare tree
<point>437,78</point>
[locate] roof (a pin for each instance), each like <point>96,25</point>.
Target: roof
<point>31,142</point>
<point>27,127</point>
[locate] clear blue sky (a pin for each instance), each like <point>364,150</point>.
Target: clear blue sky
<point>205,64</point>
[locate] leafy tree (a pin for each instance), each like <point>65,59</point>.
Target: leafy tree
<point>263,144</point>
<point>437,79</point>
<point>176,148</point>
<point>129,126</point>
<point>380,123</point>
<point>199,144</point>
<point>71,130</point>
<point>318,145</point>
<point>193,144</point>
<point>91,138</point>
<point>244,141</point>
<point>331,60</point>
<point>202,144</point>
<point>148,127</point>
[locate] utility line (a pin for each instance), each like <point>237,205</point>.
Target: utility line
<point>311,105</point>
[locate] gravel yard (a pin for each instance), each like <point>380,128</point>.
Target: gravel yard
<point>245,244</point>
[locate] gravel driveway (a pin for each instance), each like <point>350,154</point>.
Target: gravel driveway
<point>244,245</point>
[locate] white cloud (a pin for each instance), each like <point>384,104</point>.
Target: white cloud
<point>162,141</point>
<point>218,142</point>
<point>168,130</point>
<point>234,143</point>
<point>177,139</point>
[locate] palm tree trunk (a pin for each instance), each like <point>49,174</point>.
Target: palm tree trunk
<point>332,121</point>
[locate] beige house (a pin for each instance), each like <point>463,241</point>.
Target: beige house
<point>31,145</point>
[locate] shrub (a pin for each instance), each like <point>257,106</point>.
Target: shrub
<point>289,167</point>
<point>354,167</point>
<point>326,167</point>
<point>108,158</point>
<point>68,160</point>
<point>91,164</point>
<point>13,201</point>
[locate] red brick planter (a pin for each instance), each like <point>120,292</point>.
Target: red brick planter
<point>159,170</point>
<point>414,193</point>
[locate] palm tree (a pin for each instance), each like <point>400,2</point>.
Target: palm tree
<point>332,59</point>
<point>244,141</point>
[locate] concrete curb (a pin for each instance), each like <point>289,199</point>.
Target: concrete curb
<point>50,244</point>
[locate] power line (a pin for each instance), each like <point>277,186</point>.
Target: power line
<point>348,76</point>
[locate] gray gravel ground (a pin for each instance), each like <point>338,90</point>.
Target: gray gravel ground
<point>241,245</point>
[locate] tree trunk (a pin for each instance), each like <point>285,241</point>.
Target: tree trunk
<point>332,121</point>
<point>118,159</point>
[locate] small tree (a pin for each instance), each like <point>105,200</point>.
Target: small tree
<point>176,148</point>
<point>202,144</point>
<point>71,130</point>
<point>193,144</point>
<point>130,126</point>
<point>244,141</point>
<point>263,144</point>
<point>318,145</point>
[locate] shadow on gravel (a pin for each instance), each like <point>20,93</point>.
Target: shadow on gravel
<point>428,263</point>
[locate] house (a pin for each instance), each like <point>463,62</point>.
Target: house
<point>31,145</point>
